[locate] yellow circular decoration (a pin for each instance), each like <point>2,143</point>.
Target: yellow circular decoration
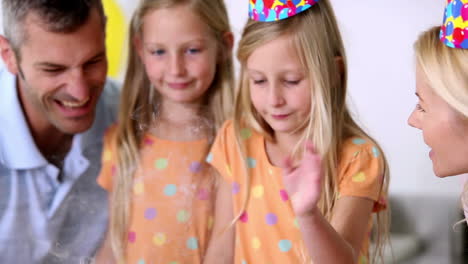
<point>258,191</point>
<point>360,177</point>
<point>159,239</point>
<point>256,244</point>
<point>107,155</point>
<point>228,169</point>
<point>210,222</point>
<point>138,188</point>
<point>116,30</point>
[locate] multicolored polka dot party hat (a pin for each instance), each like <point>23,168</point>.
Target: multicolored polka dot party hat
<point>454,31</point>
<point>273,10</point>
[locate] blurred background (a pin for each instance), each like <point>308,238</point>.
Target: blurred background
<point>378,37</point>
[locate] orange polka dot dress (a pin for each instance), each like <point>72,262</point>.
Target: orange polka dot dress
<point>172,201</point>
<point>268,231</point>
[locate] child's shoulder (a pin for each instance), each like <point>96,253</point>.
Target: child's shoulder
<point>230,128</point>
<point>358,146</point>
<point>111,131</point>
<point>226,130</point>
<point>227,125</point>
<point>110,134</point>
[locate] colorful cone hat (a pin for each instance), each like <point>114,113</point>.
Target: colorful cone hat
<point>454,31</point>
<point>274,10</point>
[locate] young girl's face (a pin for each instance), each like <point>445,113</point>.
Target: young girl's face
<point>279,87</point>
<point>179,53</point>
<point>444,130</point>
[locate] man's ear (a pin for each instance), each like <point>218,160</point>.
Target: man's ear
<point>8,55</point>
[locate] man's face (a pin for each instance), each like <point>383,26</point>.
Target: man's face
<point>60,75</point>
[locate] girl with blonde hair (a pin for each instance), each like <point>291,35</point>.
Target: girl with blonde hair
<point>177,92</point>
<point>442,89</point>
<point>306,180</point>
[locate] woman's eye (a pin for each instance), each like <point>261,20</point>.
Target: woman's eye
<point>419,108</point>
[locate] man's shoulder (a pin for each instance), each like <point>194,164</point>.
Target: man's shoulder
<point>105,115</point>
<point>109,100</point>
<point>112,86</point>
<point>111,91</point>
<point>6,78</point>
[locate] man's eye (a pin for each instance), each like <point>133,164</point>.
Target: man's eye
<point>54,70</point>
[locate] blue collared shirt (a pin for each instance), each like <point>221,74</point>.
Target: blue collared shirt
<point>43,220</point>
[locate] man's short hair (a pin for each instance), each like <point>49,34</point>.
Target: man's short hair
<point>60,16</point>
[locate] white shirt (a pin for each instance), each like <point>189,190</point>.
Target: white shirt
<point>43,220</point>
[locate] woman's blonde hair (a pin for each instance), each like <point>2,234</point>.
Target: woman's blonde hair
<point>446,70</point>
<point>317,40</point>
<point>139,101</point>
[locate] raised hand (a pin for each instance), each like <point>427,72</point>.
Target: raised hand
<point>304,181</point>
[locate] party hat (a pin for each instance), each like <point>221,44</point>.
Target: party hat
<point>454,31</point>
<point>273,10</point>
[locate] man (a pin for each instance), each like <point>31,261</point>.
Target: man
<point>52,117</point>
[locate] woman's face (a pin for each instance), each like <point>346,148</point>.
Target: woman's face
<point>444,129</point>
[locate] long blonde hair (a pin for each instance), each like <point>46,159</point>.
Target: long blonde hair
<point>446,69</point>
<point>139,99</point>
<point>317,40</point>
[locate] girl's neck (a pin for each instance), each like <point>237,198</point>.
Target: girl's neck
<point>281,148</point>
<point>287,141</point>
<point>181,122</point>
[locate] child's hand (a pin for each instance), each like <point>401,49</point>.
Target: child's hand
<point>304,182</point>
